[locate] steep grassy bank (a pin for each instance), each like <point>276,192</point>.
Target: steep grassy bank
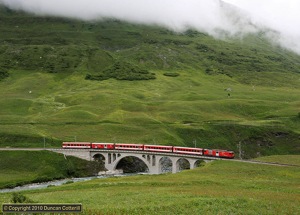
<point>177,111</point>
<point>23,167</point>
<point>220,187</point>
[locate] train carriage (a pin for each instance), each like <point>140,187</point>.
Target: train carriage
<point>108,146</point>
<point>77,145</point>
<point>158,148</point>
<point>123,146</point>
<point>187,150</point>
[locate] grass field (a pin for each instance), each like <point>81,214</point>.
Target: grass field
<point>282,159</point>
<point>167,110</point>
<point>215,93</point>
<point>219,187</point>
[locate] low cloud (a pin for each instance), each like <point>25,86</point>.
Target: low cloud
<point>280,16</point>
<point>234,17</point>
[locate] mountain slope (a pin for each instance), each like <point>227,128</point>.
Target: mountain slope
<point>215,93</point>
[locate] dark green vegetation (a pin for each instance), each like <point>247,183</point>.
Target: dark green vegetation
<point>122,71</point>
<point>220,187</point>
<point>23,167</point>
<point>184,88</point>
<point>3,74</point>
<point>20,198</point>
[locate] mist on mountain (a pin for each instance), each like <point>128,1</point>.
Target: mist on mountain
<point>279,19</point>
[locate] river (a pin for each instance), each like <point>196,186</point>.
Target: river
<point>35,186</point>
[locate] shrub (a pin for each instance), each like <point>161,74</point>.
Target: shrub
<point>122,71</point>
<point>3,74</point>
<point>9,186</point>
<point>70,169</point>
<point>203,48</point>
<point>69,182</point>
<point>20,198</point>
<point>41,179</point>
<point>171,74</point>
<point>94,167</point>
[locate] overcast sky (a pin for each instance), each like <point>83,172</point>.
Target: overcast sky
<point>210,16</point>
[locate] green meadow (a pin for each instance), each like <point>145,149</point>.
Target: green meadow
<point>219,187</point>
<point>112,81</point>
<point>176,111</point>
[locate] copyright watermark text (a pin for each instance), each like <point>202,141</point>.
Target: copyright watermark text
<point>42,208</point>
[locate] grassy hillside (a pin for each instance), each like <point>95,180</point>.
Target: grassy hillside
<point>220,187</point>
<point>23,167</point>
<point>282,159</point>
<point>111,81</point>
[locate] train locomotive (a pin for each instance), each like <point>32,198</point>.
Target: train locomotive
<point>150,148</point>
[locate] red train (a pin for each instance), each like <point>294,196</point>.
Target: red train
<point>150,148</point>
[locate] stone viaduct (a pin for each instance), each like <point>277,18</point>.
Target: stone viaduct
<point>153,160</point>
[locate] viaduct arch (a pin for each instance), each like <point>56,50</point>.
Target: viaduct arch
<point>154,162</point>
